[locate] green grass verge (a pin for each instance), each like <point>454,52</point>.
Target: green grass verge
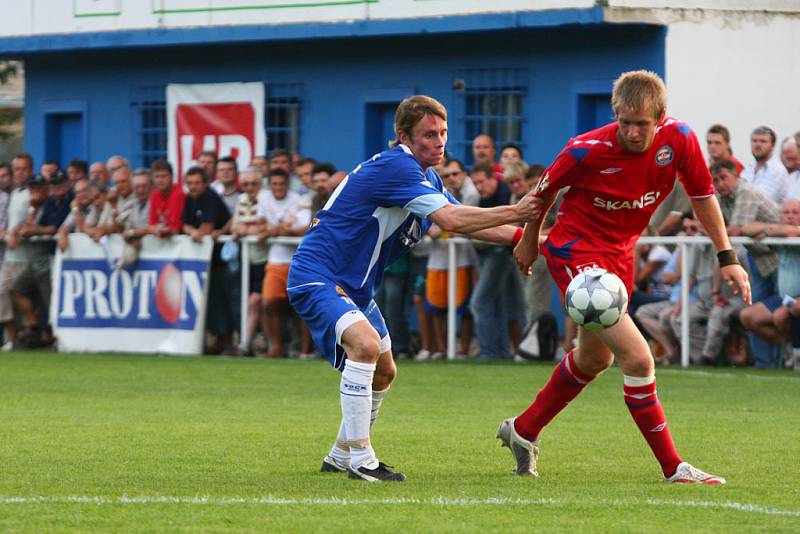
<point>129,433</point>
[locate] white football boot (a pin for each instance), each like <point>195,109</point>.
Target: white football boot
<point>686,474</point>
<point>525,452</point>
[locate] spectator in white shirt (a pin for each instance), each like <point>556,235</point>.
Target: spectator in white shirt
<point>282,216</point>
<point>790,157</point>
<point>766,174</point>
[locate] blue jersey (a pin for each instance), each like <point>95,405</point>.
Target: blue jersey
<point>378,212</point>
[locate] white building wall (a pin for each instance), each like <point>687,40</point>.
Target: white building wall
<point>38,17</point>
<point>738,69</point>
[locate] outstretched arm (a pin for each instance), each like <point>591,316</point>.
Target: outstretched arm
<point>502,235</point>
<point>708,212</point>
<point>469,219</point>
<point>527,250</point>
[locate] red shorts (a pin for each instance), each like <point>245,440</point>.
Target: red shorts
<point>565,264</point>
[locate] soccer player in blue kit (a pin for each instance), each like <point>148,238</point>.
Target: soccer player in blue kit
<point>375,215</point>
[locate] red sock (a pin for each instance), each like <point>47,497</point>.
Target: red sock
<point>564,385</point>
<point>649,416</point>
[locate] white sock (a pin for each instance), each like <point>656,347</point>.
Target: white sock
<point>341,450</point>
<point>377,400</point>
<point>355,390</point>
<point>636,381</point>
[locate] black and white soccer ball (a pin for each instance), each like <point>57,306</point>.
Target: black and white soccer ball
<point>596,299</point>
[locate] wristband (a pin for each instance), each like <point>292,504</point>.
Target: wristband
<point>727,257</point>
<point>517,237</point>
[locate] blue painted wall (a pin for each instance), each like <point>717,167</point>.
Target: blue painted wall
<point>341,76</point>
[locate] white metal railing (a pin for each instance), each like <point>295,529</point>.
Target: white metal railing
<point>451,278</point>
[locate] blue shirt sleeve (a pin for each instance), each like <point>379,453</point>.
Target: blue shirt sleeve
<point>404,185</point>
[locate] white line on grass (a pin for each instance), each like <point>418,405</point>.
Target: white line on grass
<point>748,376</point>
<point>435,501</point>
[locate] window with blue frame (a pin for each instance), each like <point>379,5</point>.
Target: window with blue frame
<point>283,107</point>
<point>149,108</point>
<point>492,101</point>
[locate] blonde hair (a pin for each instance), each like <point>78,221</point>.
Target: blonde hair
<point>412,110</point>
<point>515,168</point>
<point>639,90</point>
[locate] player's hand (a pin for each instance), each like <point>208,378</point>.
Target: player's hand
<point>736,277</point>
<point>529,207</point>
<point>525,254</point>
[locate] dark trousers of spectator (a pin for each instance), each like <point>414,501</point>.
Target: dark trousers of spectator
<point>489,302</point>
<point>224,300</point>
<point>765,354</point>
<point>392,299</point>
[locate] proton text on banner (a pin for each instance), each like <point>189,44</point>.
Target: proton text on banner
<point>155,305</point>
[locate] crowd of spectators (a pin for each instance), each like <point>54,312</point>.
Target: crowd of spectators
<point>279,195</point>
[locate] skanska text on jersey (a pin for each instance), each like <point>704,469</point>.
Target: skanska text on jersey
<point>643,201</point>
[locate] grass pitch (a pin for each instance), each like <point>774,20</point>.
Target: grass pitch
<point>120,443</point>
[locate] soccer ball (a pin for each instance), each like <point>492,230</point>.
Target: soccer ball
<point>596,299</point>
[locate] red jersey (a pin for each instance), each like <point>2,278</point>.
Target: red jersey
<point>167,209</point>
<point>613,192</point>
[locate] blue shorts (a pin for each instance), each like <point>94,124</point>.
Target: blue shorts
<point>773,303</point>
<point>328,312</point>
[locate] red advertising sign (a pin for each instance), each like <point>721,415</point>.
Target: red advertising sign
<point>224,118</point>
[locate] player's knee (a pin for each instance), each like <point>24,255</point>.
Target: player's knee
<point>746,318</point>
<point>365,349</point>
<point>593,362</point>
<point>640,367</point>
<point>384,376</point>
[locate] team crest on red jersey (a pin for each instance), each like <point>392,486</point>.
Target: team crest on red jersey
<point>664,155</point>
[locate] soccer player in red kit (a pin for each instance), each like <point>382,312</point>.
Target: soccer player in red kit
<point>618,175</point>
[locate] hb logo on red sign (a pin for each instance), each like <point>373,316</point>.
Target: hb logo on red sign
<point>226,128</point>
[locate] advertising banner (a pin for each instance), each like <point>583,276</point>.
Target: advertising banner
<point>227,118</point>
<point>155,305</point>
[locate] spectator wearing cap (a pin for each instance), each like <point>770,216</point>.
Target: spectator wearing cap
<point>30,290</point>
<point>17,253</point>
<point>766,174</point>
<point>57,207</point>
